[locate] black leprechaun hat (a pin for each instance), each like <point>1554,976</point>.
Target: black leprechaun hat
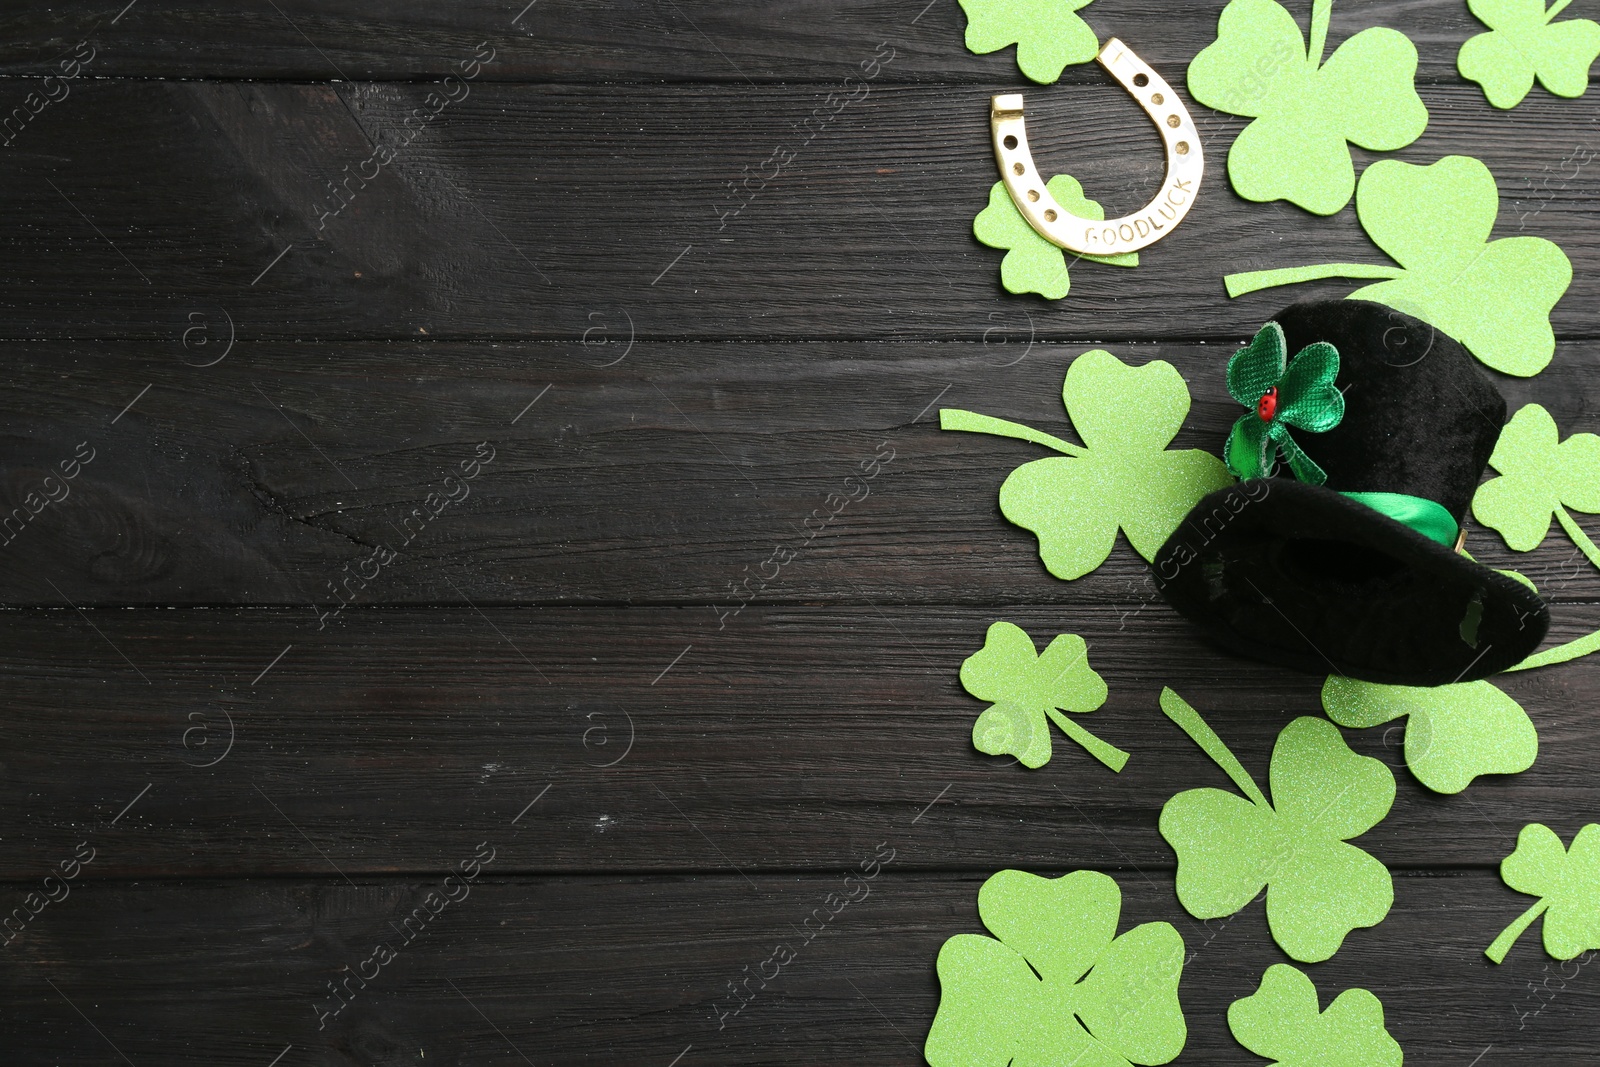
<point>1339,551</point>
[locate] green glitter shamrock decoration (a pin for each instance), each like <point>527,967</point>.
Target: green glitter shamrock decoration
<point>1058,987</point>
<point>1524,42</point>
<point>1280,1021</point>
<point>1306,112</point>
<point>1122,476</point>
<point>1541,476</point>
<point>1567,883</point>
<point>1454,732</point>
<point>1319,887</point>
<point>1025,688</point>
<point>1281,393</point>
<point>1494,296</point>
<point>1032,264</point>
<point>1048,34</point>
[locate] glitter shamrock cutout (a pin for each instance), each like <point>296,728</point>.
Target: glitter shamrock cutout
<point>1281,393</point>
<point>1056,985</point>
<point>1049,34</point>
<point>1032,264</point>
<point>1541,476</point>
<point>1319,886</point>
<point>1123,476</point>
<point>1524,42</point>
<point>1453,732</point>
<point>1567,883</point>
<point>1306,113</point>
<point>1027,689</point>
<point>1280,1021</point>
<point>1493,296</point>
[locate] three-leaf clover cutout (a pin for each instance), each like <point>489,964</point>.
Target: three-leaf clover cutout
<point>1280,1021</point>
<point>1026,689</point>
<point>1541,476</point>
<point>1567,883</point>
<point>1453,733</point>
<point>1296,845</point>
<point>1032,264</point>
<point>1048,34</point>
<point>1123,476</point>
<point>1494,296</point>
<point>1059,986</point>
<point>1524,42</point>
<point>1306,113</point>
<point>1281,393</point>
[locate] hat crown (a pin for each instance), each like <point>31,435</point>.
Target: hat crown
<point>1420,417</point>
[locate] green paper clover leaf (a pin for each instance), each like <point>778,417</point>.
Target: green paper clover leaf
<point>1522,43</point>
<point>1281,393</point>
<point>1540,477</point>
<point>1319,887</point>
<point>1492,296</point>
<point>1058,987</point>
<point>1454,733</point>
<point>1048,34</point>
<point>1032,264</point>
<point>1306,113</point>
<point>1122,476</point>
<point>1280,1021</point>
<point>1567,883</point>
<point>1026,688</point>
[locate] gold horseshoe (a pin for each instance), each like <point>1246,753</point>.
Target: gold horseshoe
<point>1185,165</point>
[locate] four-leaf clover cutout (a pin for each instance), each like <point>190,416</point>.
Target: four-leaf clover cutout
<point>1059,986</point>
<point>1026,689</point>
<point>1434,221</point>
<point>1523,43</point>
<point>1319,887</point>
<point>1280,1021</point>
<point>1032,264</point>
<point>1123,476</point>
<point>1567,883</point>
<point>1048,34</point>
<point>1306,112</point>
<point>1541,476</point>
<point>1281,393</point>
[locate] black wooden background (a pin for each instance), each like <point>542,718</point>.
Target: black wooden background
<point>549,672</point>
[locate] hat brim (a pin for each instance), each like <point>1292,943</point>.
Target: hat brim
<point>1305,577</point>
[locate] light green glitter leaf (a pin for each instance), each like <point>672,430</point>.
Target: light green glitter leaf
<point>1567,883</point>
<point>1032,264</point>
<point>1523,43</point>
<point>1049,34</point>
<point>1280,1021</point>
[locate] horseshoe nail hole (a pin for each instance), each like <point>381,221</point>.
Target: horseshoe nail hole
<point>1011,141</point>
<point>1033,195</point>
<point>1156,98</point>
<point>1017,168</point>
<point>1182,148</point>
<point>1174,121</point>
<point>1050,215</point>
<point>1141,80</point>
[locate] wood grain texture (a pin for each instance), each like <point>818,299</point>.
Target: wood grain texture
<point>644,473</point>
<point>769,745</point>
<point>524,210</point>
<point>636,970</point>
<point>631,40</point>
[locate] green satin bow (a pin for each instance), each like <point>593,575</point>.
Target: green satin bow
<point>1281,393</point>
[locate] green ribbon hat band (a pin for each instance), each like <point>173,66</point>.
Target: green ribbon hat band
<point>1279,393</point>
<point>1428,518</point>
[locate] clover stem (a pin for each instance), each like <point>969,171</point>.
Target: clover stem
<point>1556,9</point>
<point>1582,646</point>
<point>972,422</point>
<point>1579,538</point>
<point>1249,282</point>
<point>1509,935</point>
<point>1109,754</point>
<point>1178,710</point>
<point>1321,14</point>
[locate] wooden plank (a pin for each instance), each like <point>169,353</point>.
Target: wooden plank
<point>523,211</point>
<point>636,970</point>
<point>770,745</point>
<point>627,41</point>
<point>661,473</point>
